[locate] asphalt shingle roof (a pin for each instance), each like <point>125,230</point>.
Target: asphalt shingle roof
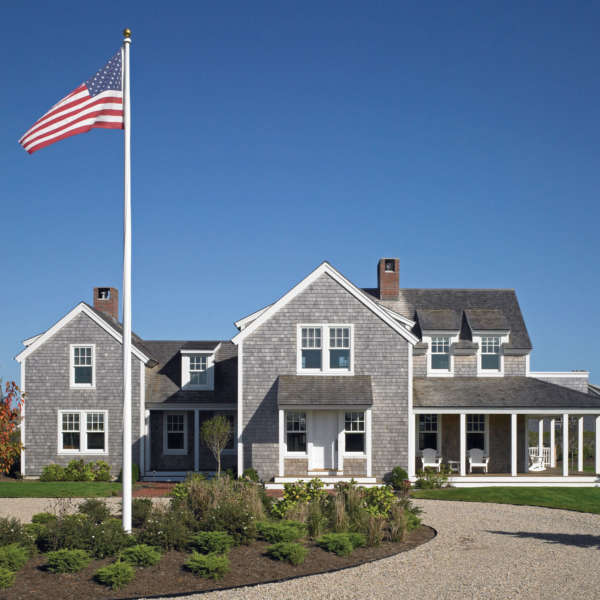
<point>485,319</point>
<point>439,319</point>
<point>324,390</point>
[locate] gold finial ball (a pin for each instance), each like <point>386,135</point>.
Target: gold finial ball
<point>127,32</point>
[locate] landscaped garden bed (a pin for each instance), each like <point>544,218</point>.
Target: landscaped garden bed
<point>215,534</point>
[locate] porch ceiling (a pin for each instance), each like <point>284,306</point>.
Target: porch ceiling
<point>498,392</point>
<point>324,390</point>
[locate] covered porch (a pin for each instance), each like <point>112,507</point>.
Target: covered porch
<point>478,428</point>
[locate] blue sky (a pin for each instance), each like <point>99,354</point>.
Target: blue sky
<point>267,137</point>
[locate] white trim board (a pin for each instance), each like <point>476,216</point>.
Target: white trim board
<point>571,410</point>
<point>558,374</point>
<point>82,307</point>
<point>325,269</point>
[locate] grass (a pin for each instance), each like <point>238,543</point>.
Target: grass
<point>58,489</point>
<point>578,499</point>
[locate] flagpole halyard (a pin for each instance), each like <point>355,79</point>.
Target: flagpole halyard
<point>126,469</point>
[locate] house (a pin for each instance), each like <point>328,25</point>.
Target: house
<point>330,380</point>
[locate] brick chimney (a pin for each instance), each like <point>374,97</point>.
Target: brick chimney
<point>106,300</point>
<point>388,278</point>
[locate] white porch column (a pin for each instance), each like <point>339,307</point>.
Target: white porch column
<point>513,445</point>
<point>411,445</point>
<point>553,443</point>
<point>463,444</point>
<point>597,446</point>
<point>281,442</point>
<point>341,441</point>
<point>540,437</point>
<point>368,444</point>
<point>196,439</point>
<point>580,444</point>
<point>565,448</point>
<point>147,439</point>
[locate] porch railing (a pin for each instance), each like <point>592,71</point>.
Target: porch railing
<point>534,452</point>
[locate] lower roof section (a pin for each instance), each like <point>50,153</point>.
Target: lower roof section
<point>324,390</point>
<point>498,392</point>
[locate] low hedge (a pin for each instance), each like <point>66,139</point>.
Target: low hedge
<point>77,470</point>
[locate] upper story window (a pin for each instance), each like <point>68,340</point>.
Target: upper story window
<point>440,353</point>
<point>325,348</point>
<point>83,432</point>
<point>490,352</point>
<point>197,370</point>
<point>82,366</point>
<point>295,431</point>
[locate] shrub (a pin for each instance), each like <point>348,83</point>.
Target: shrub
<point>431,479</point>
<point>67,561</point>
<point>413,518</point>
<point>375,530</point>
<point>339,517</point>
<point>95,509</point>
<point>43,518</point>
<point>210,566</point>
<point>315,519</point>
<point>7,578</point>
<point>298,493</point>
<point>141,555</point>
<point>13,556</point>
<point>379,500</point>
<point>116,575</point>
<point>398,523</point>
<point>68,531</point>
<point>251,474</point>
<point>135,473</point>
<point>101,471</point>
<point>358,540</point>
<point>52,473</point>
<point>235,518</point>
<point>397,478</point>
<point>109,539</point>
<point>164,528</point>
<point>207,542</point>
<point>78,470</point>
<point>281,531</point>
<point>140,511</point>
<point>11,531</point>
<point>291,552</point>
<point>340,543</point>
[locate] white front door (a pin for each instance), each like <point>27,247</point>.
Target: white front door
<point>324,430</point>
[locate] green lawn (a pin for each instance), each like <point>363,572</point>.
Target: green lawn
<point>580,499</point>
<point>58,489</point>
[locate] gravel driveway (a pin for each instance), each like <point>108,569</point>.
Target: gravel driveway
<point>481,551</point>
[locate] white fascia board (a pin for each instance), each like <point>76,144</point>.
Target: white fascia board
<point>558,374</point>
<point>571,410</point>
<point>245,321</point>
<point>325,269</point>
<point>80,308</point>
<point>30,340</point>
<point>398,316</point>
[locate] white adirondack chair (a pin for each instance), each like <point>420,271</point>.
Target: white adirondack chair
<point>430,458</point>
<point>478,459</point>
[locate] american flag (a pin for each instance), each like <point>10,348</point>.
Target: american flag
<point>98,102</point>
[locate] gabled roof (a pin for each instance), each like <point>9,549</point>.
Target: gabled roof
<point>322,269</point>
<point>505,301</point>
<point>438,319</point>
<point>486,319</point>
<point>201,346</point>
<point>111,326</point>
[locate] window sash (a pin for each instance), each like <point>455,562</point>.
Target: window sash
<point>295,431</point>
<point>354,422</point>
<point>325,348</point>
<point>83,432</point>
<point>82,364</point>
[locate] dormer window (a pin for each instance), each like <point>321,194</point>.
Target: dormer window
<point>440,353</point>
<point>197,370</point>
<point>490,352</point>
<point>325,349</point>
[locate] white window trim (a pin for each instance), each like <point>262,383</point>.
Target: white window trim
<point>178,451</point>
<point>82,433</point>
<point>347,454</point>
<point>453,338</point>
<point>307,420</point>
<point>83,386</point>
<point>477,335</point>
<point>325,368</point>
<point>210,370</point>
<point>486,432</point>
<point>438,432</point>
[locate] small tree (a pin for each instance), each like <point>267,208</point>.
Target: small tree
<point>10,415</point>
<point>216,433</point>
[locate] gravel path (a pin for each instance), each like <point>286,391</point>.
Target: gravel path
<point>481,551</point>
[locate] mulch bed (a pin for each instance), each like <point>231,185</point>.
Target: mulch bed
<point>249,566</point>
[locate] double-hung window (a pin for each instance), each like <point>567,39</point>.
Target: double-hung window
<point>295,431</point>
<point>440,353</point>
<point>354,432</point>
<point>83,431</point>
<point>82,366</point>
<point>325,348</point>
<point>428,432</point>
<point>175,433</point>
<point>490,352</point>
<point>476,432</point>
<point>198,372</point>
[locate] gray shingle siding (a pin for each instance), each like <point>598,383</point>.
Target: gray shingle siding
<point>47,383</point>
<point>270,351</point>
<point>579,384</point>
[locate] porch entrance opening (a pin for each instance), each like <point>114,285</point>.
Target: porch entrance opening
<point>323,453</point>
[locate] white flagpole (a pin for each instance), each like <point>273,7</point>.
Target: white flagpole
<point>126,289</point>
